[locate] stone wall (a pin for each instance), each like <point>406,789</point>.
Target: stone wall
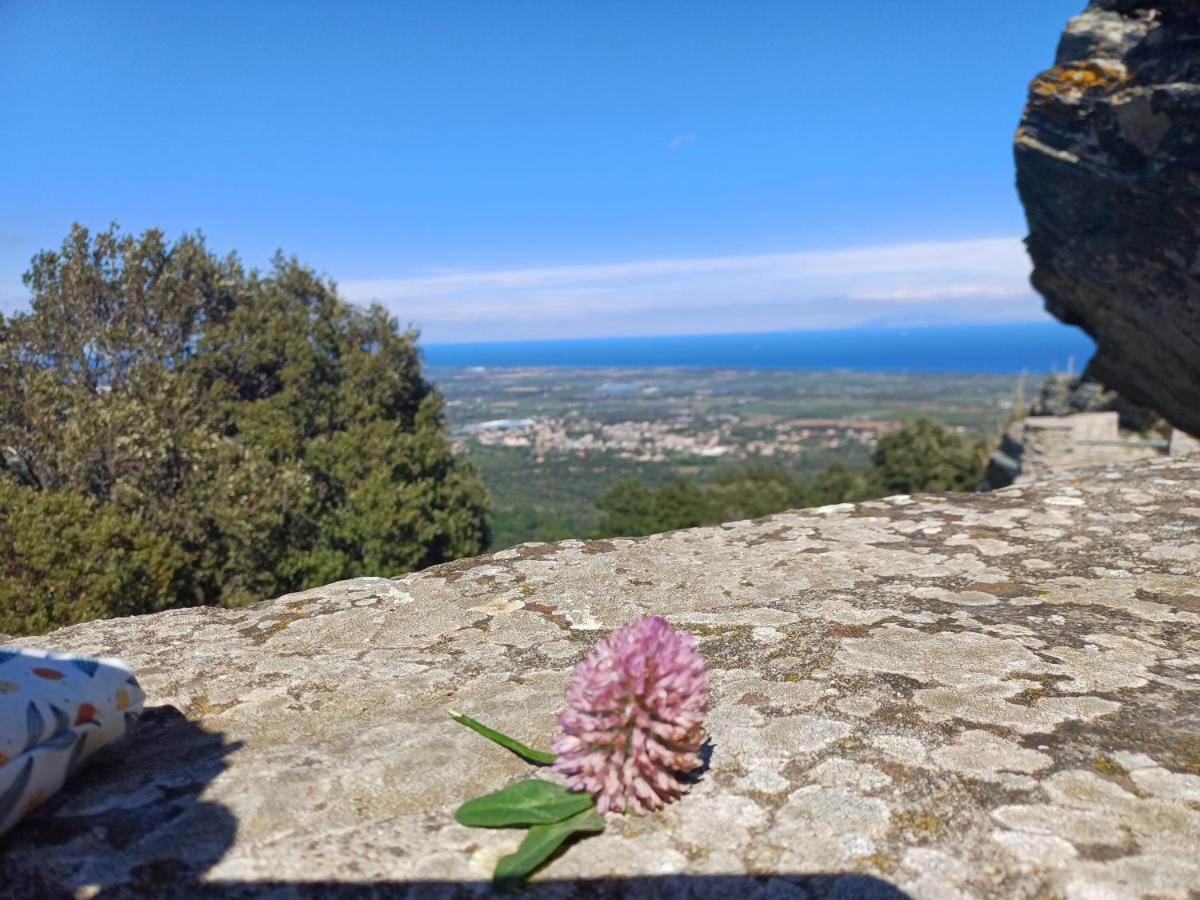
<point>1039,446</point>
<point>985,695</point>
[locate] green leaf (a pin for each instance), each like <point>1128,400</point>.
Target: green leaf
<point>539,844</point>
<point>529,802</point>
<point>539,757</point>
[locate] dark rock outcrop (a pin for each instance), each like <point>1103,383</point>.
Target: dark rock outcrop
<point>1108,167</point>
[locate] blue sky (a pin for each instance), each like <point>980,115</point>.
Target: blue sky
<point>546,169</point>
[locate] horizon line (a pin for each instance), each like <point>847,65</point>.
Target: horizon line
<point>953,326</point>
<point>918,282</point>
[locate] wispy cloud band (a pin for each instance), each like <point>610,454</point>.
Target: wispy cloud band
<point>910,284</point>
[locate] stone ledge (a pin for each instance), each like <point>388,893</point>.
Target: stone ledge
<point>989,695</point>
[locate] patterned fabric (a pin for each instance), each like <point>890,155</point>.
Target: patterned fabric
<point>56,710</point>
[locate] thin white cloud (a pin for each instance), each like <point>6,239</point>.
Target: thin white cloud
<point>918,283</point>
<point>681,140</point>
<point>946,291</point>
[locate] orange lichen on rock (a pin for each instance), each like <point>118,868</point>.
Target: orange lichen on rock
<point>1075,77</point>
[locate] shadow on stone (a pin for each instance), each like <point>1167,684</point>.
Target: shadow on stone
<point>665,887</point>
<point>133,825</point>
<point>706,754</point>
<point>132,820</point>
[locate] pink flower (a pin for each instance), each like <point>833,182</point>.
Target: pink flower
<point>635,719</point>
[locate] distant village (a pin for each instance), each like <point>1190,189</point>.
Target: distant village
<point>655,441</point>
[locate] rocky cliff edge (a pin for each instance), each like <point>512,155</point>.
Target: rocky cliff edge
<point>1108,168</point>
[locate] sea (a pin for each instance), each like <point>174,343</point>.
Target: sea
<point>1035,347</point>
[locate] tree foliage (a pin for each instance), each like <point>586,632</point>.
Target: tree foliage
<point>920,456</point>
<point>634,508</point>
<point>926,456</point>
<point>177,430</point>
<point>631,507</point>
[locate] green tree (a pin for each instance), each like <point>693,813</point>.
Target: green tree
<point>216,435</point>
<point>756,491</point>
<point>632,508</point>
<point>925,455</point>
<point>840,482</point>
<point>64,558</point>
<point>921,456</point>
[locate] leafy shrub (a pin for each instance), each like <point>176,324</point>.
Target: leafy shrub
<point>635,508</point>
<point>925,455</point>
<point>632,508</point>
<point>176,430</point>
<point>64,558</point>
<point>920,456</point>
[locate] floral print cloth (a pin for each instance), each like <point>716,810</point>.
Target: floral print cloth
<point>56,710</point>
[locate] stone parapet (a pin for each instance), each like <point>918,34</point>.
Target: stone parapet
<point>974,695</point>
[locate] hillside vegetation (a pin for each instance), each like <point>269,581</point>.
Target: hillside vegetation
<point>178,430</point>
<point>922,456</point>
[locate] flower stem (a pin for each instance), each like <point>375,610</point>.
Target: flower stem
<point>538,757</point>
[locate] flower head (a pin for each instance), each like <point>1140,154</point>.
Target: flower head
<point>634,720</point>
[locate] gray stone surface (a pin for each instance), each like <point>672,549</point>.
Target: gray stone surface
<point>1064,394</point>
<point>1108,168</point>
<point>1036,447</point>
<point>985,695</point>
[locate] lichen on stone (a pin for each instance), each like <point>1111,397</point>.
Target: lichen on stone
<point>891,696</point>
